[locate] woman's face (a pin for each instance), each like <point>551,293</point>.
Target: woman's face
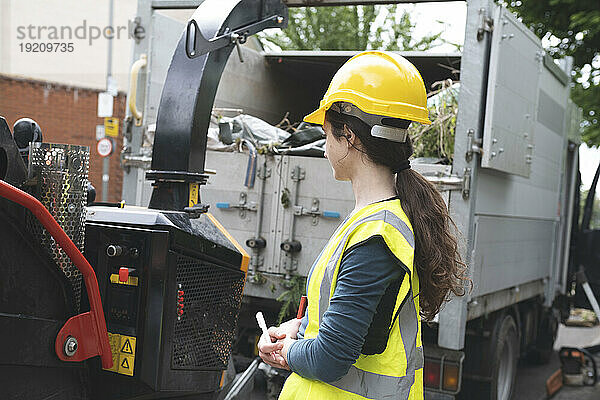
<point>336,151</point>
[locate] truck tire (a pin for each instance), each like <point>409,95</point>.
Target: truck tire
<point>505,356</point>
<point>543,348</point>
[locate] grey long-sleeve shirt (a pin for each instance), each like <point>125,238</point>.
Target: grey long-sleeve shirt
<point>358,316</point>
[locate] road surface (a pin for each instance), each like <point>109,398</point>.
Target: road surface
<point>531,380</point>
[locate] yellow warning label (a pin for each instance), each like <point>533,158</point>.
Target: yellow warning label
<point>126,348</point>
<point>193,195</point>
<point>123,353</point>
<point>132,280</point>
<point>126,365</point>
<point>111,126</point>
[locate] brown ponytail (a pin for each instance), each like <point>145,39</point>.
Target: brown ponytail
<point>437,260</point>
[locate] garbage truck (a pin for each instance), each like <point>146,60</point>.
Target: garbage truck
<point>164,274</point>
<point>509,185</point>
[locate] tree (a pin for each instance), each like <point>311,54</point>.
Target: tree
<point>572,28</point>
<point>589,100</point>
<point>350,28</point>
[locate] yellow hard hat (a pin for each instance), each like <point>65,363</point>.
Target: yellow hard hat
<point>379,83</point>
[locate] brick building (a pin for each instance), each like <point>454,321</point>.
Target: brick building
<point>66,114</point>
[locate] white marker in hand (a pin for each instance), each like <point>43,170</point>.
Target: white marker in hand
<point>263,325</point>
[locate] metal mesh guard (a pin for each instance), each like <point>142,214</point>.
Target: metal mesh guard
<point>62,176</point>
<point>212,296</point>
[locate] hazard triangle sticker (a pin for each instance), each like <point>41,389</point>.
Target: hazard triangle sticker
<point>127,348</point>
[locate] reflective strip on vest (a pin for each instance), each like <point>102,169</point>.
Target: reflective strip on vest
<point>376,386</point>
<point>364,383</point>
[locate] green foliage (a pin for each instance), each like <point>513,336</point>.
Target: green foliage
<point>350,28</point>
<point>437,140</point>
<point>589,100</point>
<point>286,201</point>
<point>575,24</point>
<point>290,298</point>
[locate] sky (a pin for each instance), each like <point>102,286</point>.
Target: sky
<point>588,159</point>
<point>448,17</point>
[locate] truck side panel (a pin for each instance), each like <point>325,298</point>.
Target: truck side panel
<point>510,252</point>
<point>517,217</point>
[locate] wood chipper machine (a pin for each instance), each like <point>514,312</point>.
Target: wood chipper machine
<point>111,301</point>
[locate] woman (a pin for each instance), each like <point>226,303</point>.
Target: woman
<point>393,259</point>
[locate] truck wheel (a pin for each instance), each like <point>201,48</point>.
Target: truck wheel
<point>505,353</point>
<point>543,348</point>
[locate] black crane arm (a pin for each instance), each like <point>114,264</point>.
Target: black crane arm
<point>189,92</point>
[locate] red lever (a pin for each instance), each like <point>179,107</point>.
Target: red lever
<point>89,328</point>
<point>123,274</point>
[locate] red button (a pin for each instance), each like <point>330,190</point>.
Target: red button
<point>123,274</point>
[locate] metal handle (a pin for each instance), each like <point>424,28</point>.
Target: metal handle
<point>252,206</point>
<point>135,69</point>
<point>243,205</point>
<point>301,211</point>
<point>89,328</point>
<point>196,44</point>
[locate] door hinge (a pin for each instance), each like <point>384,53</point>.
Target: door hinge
<point>466,183</point>
<point>473,145</point>
<point>486,24</point>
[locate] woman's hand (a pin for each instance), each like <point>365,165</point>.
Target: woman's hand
<point>269,348</point>
<point>288,329</point>
<point>269,351</point>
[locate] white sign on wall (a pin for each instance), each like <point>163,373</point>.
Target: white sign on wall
<point>105,105</point>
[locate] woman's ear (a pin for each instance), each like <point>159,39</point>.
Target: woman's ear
<point>350,136</point>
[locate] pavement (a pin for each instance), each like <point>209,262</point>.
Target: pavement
<point>531,380</point>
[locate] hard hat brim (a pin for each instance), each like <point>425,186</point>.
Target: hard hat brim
<point>316,117</point>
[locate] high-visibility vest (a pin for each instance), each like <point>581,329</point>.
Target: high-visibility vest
<point>397,372</point>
